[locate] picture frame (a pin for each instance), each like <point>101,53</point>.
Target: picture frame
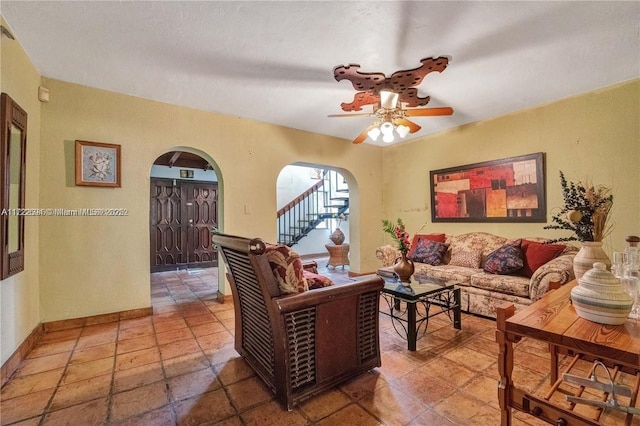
<point>97,164</point>
<point>506,190</point>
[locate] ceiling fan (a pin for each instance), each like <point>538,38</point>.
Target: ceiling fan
<point>387,95</point>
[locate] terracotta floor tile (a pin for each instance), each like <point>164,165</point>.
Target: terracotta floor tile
<point>170,324</point>
<point>81,391</point>
<point>222,355</point>
<point>136,331</point>
<point>61,335</point>
<point>449,371</point>
<point>136,344</point>
<point>31,383</point>
<point>325,404</point>
<point>224,314</point>
<point>233,371</point>
<point>182,347</point>
<point>24,406</point>
<point>473,360</point>
<point>352,415</point>
<point>92,330</point>
<point>364,384</point>
<point>174,336</point>
<point>392,406</point>
<point>86,370</point>
<point>87,414</point>
<point>192,384</point>
<point>272,413</point>
<point>93,353</point>
<point>96,339</point>
<point>484,388</point>
<point>138,376</point>
<point>185,364</point>
<point>202,409</point>
<point>51,348</point>
<point>137,358</point>
<point>136,323</point>
<point>231,421</point>
<point>43,363</point>
<point>249,392</point>
<point>33,421</point>
<point>208,328</point>
<point>461,408</point>
<point>162,416</point>
<point>215,341</point>
<point>430,417</point>
<point>137,401</point>
<point>200,319</point>
<point>424,387</point>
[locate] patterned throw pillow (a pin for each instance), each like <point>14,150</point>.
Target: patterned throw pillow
<point>468,259</point>
<point>537,254</point>
<point>428,252</point>
<point>316,281</point>
<point>419,239</point>
<point>287,268</point>
<point>505,260</point>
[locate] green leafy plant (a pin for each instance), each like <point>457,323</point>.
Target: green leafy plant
<point>586,211</point>
<point>398,233</point>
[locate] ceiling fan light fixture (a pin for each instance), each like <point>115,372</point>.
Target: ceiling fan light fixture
<point>388,99</point>
<point>374,133</point>
<point>402,131</point>
<point>386,128</point>
<point>388,138</point>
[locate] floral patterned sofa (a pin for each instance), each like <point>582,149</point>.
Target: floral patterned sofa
<point>467,258</point>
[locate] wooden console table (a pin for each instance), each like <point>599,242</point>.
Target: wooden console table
<point>553,319</point>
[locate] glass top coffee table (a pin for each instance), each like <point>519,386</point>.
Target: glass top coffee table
<point>410,306</point>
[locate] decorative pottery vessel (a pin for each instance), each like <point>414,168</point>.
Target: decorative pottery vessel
<point>404,268</point>
<point>599,297</point>
<point>337,237</point>
<point>590,253</point>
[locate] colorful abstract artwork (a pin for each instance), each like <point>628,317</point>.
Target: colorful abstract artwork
<point>507,190</point>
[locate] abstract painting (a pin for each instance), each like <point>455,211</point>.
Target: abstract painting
<point>507,190</point>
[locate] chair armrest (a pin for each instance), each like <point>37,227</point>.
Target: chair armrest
<point>387,254</point>
<point>311,266</point>
<point>295,302</point>
<point>559,270</point>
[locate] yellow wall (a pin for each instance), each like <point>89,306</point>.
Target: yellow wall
<point>98,265</point>
<point>19,294</point>
<point>594,135</point>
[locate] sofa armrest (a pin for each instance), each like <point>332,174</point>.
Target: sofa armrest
<point>311,266</point>
<point>559,270</point>
<point>387,254</point>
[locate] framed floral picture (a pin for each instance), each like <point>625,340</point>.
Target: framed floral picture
<point>505,190</point>
<point>97,164</point>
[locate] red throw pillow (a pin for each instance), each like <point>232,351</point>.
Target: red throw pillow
<point>537,254</point>
<point>316,281</point>
<point>438,238</point>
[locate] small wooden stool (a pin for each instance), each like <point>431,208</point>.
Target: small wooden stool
<point>338,255</point>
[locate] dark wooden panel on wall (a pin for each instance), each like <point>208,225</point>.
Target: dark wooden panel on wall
<point>182,214</point>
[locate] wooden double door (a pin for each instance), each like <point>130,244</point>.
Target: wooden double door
<point>182,216</point>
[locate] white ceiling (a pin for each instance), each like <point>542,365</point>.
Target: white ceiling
<point>273,61</point>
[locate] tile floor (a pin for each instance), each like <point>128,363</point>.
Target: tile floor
<point>179,367</point>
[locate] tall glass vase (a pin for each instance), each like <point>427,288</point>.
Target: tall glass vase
<point>590,253</point>
<point>404,268</point>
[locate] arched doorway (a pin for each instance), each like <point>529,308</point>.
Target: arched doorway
<point>183,211</point>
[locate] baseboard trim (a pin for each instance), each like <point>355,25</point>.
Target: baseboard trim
<point>96,319</point>
<point>224,298</point>
<point>16,358</point>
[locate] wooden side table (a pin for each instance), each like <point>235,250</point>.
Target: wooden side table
<point>338,255</point>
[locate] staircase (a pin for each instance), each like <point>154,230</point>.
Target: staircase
<point>327,199</point>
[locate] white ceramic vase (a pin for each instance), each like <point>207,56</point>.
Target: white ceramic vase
<point>590,253</point>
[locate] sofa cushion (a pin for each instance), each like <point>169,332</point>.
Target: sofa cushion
<point>460,274</point>
<point>427,251</point>
<point>505,260</point>
<point>315,281</point>
<point>507,284</point>
<point>537,254</point>
<point>287,268</point>
<point>466,258</point>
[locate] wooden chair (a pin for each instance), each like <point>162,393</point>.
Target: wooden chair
<point>299,344</point>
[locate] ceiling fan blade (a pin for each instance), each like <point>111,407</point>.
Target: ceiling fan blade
<point>350,115</point>
<point>363,136</point>
<point>428,112</point>
<point>413,127</point>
